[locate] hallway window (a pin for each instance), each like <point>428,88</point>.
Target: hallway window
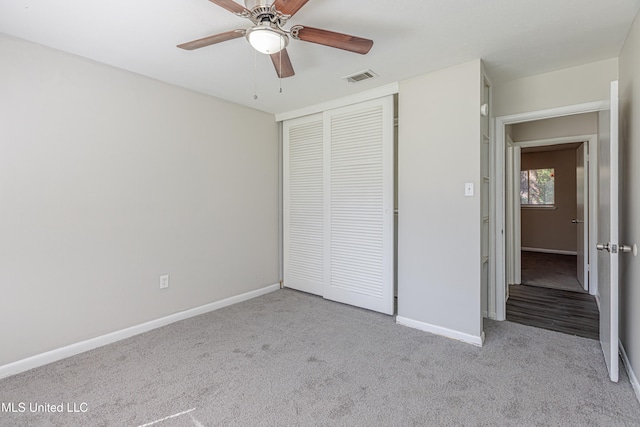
<point>537,187</point>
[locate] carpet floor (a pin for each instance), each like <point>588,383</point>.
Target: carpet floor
<point>550,271</point>
<point>288,358</point>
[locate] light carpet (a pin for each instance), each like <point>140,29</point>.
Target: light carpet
<point>288,358</point>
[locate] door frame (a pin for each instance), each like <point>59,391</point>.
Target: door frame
<point>514,228</point>
<point>497,308</point>
<point>512,221</point>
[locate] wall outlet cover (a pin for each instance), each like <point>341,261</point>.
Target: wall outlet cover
<point>468,189</point>
<point>164,281</point>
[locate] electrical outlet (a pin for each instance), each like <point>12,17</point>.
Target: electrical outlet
<point>164,281</point>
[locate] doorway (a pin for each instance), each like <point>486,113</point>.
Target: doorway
<point>553,203</point>
<point>551,193</point>
<point>603,226</point>
<point>548,255</point>
<point>504,241</point>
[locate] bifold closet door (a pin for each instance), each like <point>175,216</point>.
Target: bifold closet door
<point>303,213</point>
<point>358,215</point>
<point>338,204</point>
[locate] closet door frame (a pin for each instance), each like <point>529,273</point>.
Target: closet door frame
<point>384,302</point>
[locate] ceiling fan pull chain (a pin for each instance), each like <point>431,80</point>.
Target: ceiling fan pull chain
<point>255,79</point>
<point>280,57</point>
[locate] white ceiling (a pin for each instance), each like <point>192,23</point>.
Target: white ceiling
<point>515,38</point>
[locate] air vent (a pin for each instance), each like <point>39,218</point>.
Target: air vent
<point>362,75</point>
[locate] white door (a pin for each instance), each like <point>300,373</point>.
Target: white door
<point>608,232</point>
<point>582,195</point>
<point>338,204</point>
<point>303,211</point>
<point>359,205</point>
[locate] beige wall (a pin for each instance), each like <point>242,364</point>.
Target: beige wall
<point>439,228</point>
<point>551,229</point>
<point>108,180</point>
<point>558,127</point>
<point>630,196</point>
<point>576,85</point>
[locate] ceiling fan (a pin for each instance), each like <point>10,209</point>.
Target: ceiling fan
<point>268,36</point>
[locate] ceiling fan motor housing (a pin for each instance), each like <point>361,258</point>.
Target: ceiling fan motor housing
<point>250,4</point>
<point>260,11</point>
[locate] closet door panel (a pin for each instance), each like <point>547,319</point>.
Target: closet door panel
<point>358,182</point>
<point>303,214</point>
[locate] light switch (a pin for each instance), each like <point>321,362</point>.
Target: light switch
<point>468,189</point>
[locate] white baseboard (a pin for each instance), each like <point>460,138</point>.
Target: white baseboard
<point>439,330</point>
<point>632,376</point>
<point>549,251</point>
<point>82,346</point>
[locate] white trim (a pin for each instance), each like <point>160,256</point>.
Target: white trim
<point>500,123</point>
<point>491,304</point>
<point>587,201</point>
<point>510,210</point>
<point>593,215</point>
<point>632,376</point>
<point>497,261</point>
<point>439,330</point>
<point>550,251</point>
<point>539,207</point>
<point>379,92</point>
<point>280,204</point>
<point>82,346</point>
<point>554,141</point>
<point>517,216</point>
<point>587,107</point>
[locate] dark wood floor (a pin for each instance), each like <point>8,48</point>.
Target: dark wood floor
<point>558,310</point>
<point>555,271</point>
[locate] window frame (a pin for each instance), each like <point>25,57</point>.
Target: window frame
<point>549,206</point>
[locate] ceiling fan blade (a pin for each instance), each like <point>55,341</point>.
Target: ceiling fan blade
<point>283,65</point>
<point>208,41</point>
<point>289,7</point>
<point>230,5</point>
<point>329,38</point>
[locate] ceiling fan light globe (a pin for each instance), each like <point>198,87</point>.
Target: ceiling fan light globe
<point>267,40</point>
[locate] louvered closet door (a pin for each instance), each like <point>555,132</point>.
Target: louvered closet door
<point>303,204</point>
<point>358,172</point>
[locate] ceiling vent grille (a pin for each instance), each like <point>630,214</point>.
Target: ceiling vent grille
<point>360,76</point>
